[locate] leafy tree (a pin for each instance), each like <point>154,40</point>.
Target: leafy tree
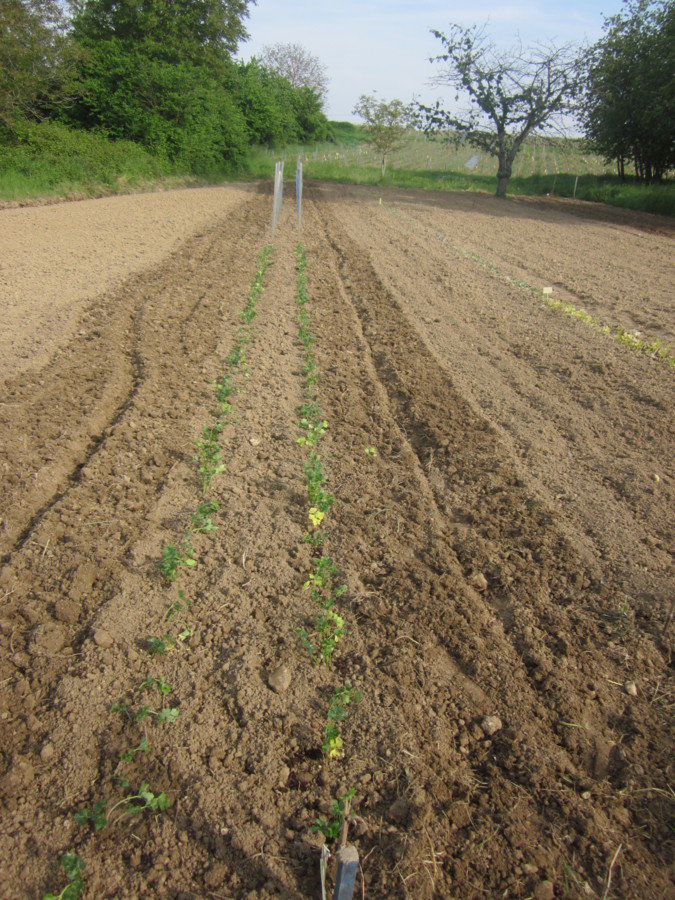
<point>512,93</point>
<point>297,65</point>
<point>265,102</point>
<point>179,111</point>
<point>198,30</point>
<point>312,124</point>
<point>385,124</point>
<point>628,107</point>
<point>33,54</point>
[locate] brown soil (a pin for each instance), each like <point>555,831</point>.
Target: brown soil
<point>507,552</point>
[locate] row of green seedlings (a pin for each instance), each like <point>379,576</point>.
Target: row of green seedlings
<point>329,626</point>
<point>174,559</point>
<point>631,339</point>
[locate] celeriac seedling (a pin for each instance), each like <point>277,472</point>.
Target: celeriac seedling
<point>331,829</point>
<point>137,803</point>
<point>174,558</point>
<point>73,866</point>
<point>201,519</point>
<point>160,646</point>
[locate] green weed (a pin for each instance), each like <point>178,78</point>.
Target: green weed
<point>143,747</point>
<point>159,684</point>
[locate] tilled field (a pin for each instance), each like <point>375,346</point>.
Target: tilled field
<point>505,544</point>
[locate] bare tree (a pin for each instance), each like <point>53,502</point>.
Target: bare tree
<point>512,93</point>
<point>298,65</point>
<point>385,123</point>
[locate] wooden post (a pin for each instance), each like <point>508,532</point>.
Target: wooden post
<point>576,182</point>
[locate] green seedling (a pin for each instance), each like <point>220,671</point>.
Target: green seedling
<point>248,314</point>
<point>322,576</point>
<point>320,583</point>
<point>332,744</point>
<point>160,646</point>
<point>314,432</point>
<point>161,716</point>
<point>73,866</point>
<point>370,451</point>
<point>201,519</point>
<point>208,455</point>
<point>143,747</point>
<point>315,516</point>
<point>311,412</point>
<point>331,829</point>
<point>184,635</point>
<point>341,699</point>
<point>316,539</point>
<point>223,389</point>
<point>129,806</point>
<point>330,627</point>
<point>320,500</point>
<point>145,712</point>
<point>307,643</point>
<point>175,558</point>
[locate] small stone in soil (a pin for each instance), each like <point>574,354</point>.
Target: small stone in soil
<point>47,753</point>
<point>544,891</point>
<point>102,639</point>
<point>479,582</point>
<point>491,725</point>
<point>280,679</point>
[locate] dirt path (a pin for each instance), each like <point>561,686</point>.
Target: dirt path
<point>501,594</point>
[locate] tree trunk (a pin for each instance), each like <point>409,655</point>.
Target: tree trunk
<point>503,175</point>
<point>384,163</point>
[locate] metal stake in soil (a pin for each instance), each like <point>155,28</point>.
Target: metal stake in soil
<point>298,193</point>
<point>348,867</point>
<point>278,192</point>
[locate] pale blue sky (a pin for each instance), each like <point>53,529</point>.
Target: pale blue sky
<point>385,45</point>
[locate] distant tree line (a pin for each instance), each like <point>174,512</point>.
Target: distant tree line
<point>161,73</point>
<point>628,107</point>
